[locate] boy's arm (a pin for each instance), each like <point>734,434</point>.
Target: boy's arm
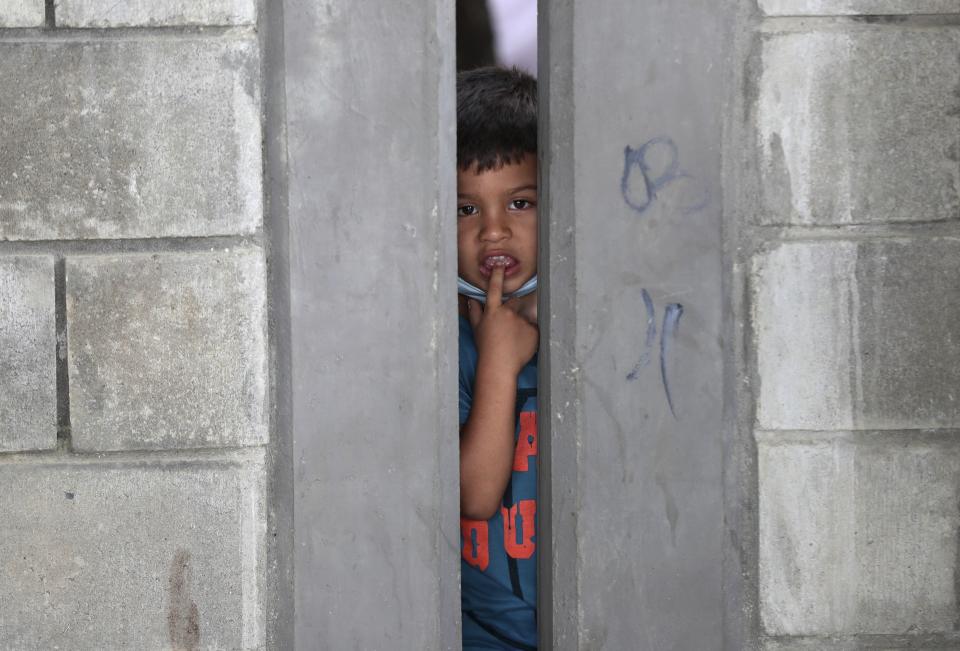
<point>506,341</point>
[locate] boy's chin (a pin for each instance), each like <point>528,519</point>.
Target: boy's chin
<point>512,284</point>
<point>516,284</point>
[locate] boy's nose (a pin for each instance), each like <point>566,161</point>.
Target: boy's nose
<point>494,228</point>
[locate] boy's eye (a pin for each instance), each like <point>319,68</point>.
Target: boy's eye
<point>521,204</point>
<point>466,210</point>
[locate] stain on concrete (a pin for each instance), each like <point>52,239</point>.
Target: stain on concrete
<point>881,19</point>
<point>750,77</point>
<point>183,616</point>
<point>669,505</point>
<point>779,202</point>
<point>956,582</point>
<point>650,337</point>
<point>953,150</point>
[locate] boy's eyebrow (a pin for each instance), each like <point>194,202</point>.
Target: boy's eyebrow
<point>530,186</point>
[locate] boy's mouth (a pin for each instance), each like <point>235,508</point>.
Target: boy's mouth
<point>491,262</point>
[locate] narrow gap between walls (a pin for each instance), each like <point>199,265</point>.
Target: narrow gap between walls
<point>63,372</point>
<point>50,14</point>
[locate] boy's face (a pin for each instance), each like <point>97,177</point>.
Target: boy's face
<point>497,223</point>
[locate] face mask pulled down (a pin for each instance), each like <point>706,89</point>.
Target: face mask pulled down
<point>474,292</point>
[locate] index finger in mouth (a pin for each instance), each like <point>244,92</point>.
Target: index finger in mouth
<point>495,288</point>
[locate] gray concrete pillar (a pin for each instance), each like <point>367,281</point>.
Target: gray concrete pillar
<point>631,323</point>
<point>372,219</point>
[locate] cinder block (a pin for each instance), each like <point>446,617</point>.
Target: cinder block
<point>132,555</point>
<point>867,130</point>
<point>132,13</point>
<point>858,335</point>
<point>858,534</point>
<point>167,350</point>
<point>129,139</point>
<point>22,13</point>
<point>857,7</point>
<point>28,349</point>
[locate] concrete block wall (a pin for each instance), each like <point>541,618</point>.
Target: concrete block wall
<point>845,227</point>
<point>22,13</point>
<point>120,137</point>
<point>136,436</point>
<point>28,404</point>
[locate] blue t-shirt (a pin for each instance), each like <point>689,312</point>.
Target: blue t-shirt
<point>499,559</point>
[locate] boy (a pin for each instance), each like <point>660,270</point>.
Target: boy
<point>497,264</point>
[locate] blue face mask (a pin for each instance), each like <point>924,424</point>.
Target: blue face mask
<point>472,291</point>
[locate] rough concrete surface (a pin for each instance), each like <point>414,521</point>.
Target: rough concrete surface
<point>22,13</point>
<point>372,208</point>
<point>121,138</point>
<point>632,151</point>
<point>855,7</point>
<point>858,335</point>
<point>28,366</point>
<point>167,350</point>
<point>858,534</point>
<point>867,130</point>
<point>132,555</point>
<point>110,13</point>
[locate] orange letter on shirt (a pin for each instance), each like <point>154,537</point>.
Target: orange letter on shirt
<point>476,550</point>
<point>527,441</point>
<point>527,511</point>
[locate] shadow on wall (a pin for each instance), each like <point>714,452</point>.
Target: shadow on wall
<point>502,32</point>
<point>474,35</point>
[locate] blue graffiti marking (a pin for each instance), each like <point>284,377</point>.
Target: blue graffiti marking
<point>671,321</point>
<point>668,333</point>
<point>637,159</point>
<point>651,322</point>
<point>640,195</point>
<point>651,335</point>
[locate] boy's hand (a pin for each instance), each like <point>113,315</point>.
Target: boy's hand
<point>503,336</point>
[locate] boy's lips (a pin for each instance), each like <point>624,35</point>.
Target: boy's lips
<point>508,262</point>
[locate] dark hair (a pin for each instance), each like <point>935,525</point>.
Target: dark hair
<point>496,117</point>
